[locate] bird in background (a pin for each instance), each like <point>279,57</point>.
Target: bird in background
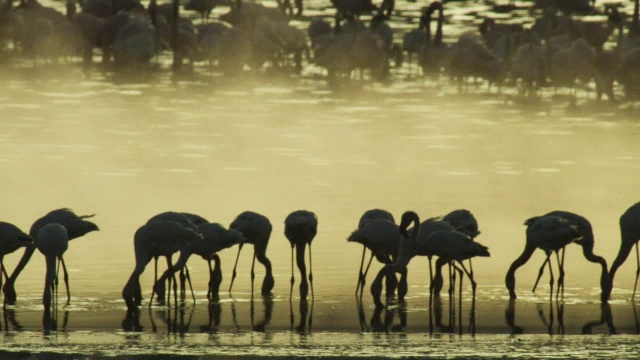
<point>551,234</point>
<point>256,229</point>
<point>52,241</point>
<point>11,239</point>
<point>630,235</point>
<point>301,227</point>
<point>76,227</point>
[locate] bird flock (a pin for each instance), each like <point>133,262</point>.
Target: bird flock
<point>558,49</point>
<point>450,238</point>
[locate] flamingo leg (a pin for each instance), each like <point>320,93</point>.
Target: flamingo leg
<point>633,296</point>
<point>551,277</point>
<point>561,277</point>
<point>540,272</point>
<point>253,274</point>
<point>364,275</point>
<point>360,276</point>
<point>233,274</point>
<point>310,271</point>
<point>65,277</point>
<point>186,270</point>
<point>292,278</point>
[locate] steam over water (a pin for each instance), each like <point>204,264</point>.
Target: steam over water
<point>216,146</point>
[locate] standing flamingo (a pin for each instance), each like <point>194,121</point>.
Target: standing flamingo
<point>256,229</point>
<point>366,238</point>
<point>52,241</point>
<point>11,239</point>
<point>301,227</point>
<point>76,227</point>
<point>549,233</point>
<point>154,239</point>
<point>630,234</point>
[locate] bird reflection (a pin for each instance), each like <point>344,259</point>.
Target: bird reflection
<point>50,322</point>
<point>267,301</point>
<point>215,312</point>
<point>559,311</point>
<point>436,315</point>
<point>305,311</point>
<point>510,317</point>
<point>10,318</point>
<point>605,317</point>
<point>383,324</point>
<point>131,322</point>
<point>174,318</point>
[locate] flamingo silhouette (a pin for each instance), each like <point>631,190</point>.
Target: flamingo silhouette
<point>154,239</point>
<point>187,220</point>
<point>549,233</point>
<point>76,227</point>
<point>215,238</point>
<point>433,237</point>
<point>461,220</point>
<point>630,234</point>
<point>381,238</point>
<point>301,227</point>
<point>52,241</point>
<point>256,229</point>
<point>11,239</point>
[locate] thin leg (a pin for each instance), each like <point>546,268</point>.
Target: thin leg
<point>540,272</point>
<point>186,270</point>
<point>637,272</point>
<point>253,265</point>
<point>65,277</point>
<point>310,271</point>
<point>551,278</point>
<point>233,275</point>
<point>364,275</point>
<point>561,276</point>
<point>292,278</point>
<point>360,276</point>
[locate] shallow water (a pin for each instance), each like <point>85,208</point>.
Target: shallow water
<point>127,150</point>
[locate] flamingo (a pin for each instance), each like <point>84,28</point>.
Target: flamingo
<point>52,241</point>
<point>378,232</point>
<point>215,238</point>
<point>76,227</point>
<point>383,239</point>
<point>301,227</point>
<point>549,233</point>
<point>11,239</point>
<point>256,229</point>
<point>154,239</point>
<point>630,234</point>
<point>433,237</point>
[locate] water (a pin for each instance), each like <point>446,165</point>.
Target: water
<point>216,147</point>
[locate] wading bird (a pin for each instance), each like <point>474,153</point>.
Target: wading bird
<point>215,238</point>
<point>256,230</point>
<point>301,227</point>
<point>11,239</point>
<point>382,239</point>
<point>550,233</point>
<point>157,238</point>
<point>630,235</point>
<point>52,241</point>
<point>76,227</point>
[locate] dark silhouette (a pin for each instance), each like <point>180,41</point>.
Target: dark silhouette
<point>256,229</point>
<point>76,227</point>
<point>630,235</point>
<point>215,238</point>
<point>301,227</point>
<point>52,241</point>
<point>550,233</point>
<point>157,238</point>
<point>382,239</point>
<point>11,239</point>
